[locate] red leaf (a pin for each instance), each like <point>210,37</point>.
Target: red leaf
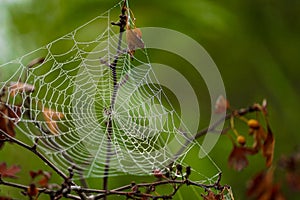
<point>8,118</point>
<point>293,179</point>
<point>45,177</point>
<point>268,147</point>
<point>261,184</point>
<point>5,198</point>
<point>45,180</point>
<point>259,136</point>
<point>276,193</point>
<point>9,172</point>
<point>212,196</point>
<point>238,157</point>
<point>5,124</point>
<point>34,174</point>
<point>32,190</point>
<point>262,187</point>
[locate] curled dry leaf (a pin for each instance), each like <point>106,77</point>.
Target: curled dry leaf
<point>261,187</point>
<point>212,196</point>
<point>45,180</point>
<point>8,118</point>
<point>5,198</point>
<point>5,125</point>
<point>134,40</point>
<point>259,136</point>
<point>32,190</point>
<point>276,193</point>
<point>34,174</point>
<point>221,105</point>
<point>293,180</point>
<point>9,172</point>
<point>51,117</point>
<point>260,183</point>
<point>238,157</point>
<point>45,177</point>
<point>263,140</point>
<point>19,87</point>
<point>291,164</point>
<point>268,147</point>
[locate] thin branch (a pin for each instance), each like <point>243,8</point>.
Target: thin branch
<point>67,179</point>
<point>36,152</point>
<point>240,112</point>
<point>25,187</point>
<point>113,66</point>
<point>179,183</point>
<point>15,185</point>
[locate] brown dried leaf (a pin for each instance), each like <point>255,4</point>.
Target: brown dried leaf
<point>268,147</point>
<point>51,117</point>
<point>18,87</point>
<point>260,136</point>
<point>261,184</point>
<point>276,193</point>
<point>293,180</point>
<point>32,190</point>
<point>134,40</point>
<point>212,196</point>
<point>45,179</point>
<point>5,198</point>
<point>4,125</point>
<point>9,172</point>
<point>221,105</point>
<point>8,118</point>
<point>34,174</point>
<point>238,157</point>
<point>14,113</point>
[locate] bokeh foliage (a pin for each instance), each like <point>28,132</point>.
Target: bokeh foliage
<point>255,45</point>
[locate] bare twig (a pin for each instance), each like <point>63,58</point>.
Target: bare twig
<point>177,183</point>
<point>240,112</point>
<point>37,153</point>
<point>113,66</point>
<point>67,179</point>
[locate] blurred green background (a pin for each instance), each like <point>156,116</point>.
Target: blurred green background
<point>254,43</point>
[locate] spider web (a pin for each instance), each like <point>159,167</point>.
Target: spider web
<point>70,107</point>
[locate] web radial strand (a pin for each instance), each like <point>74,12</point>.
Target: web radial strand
<point>69,109</point>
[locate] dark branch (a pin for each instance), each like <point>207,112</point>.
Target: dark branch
<point>37,153</point>
<point>113,67</point>
<point>177,183</point>
<point>240,112</point>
